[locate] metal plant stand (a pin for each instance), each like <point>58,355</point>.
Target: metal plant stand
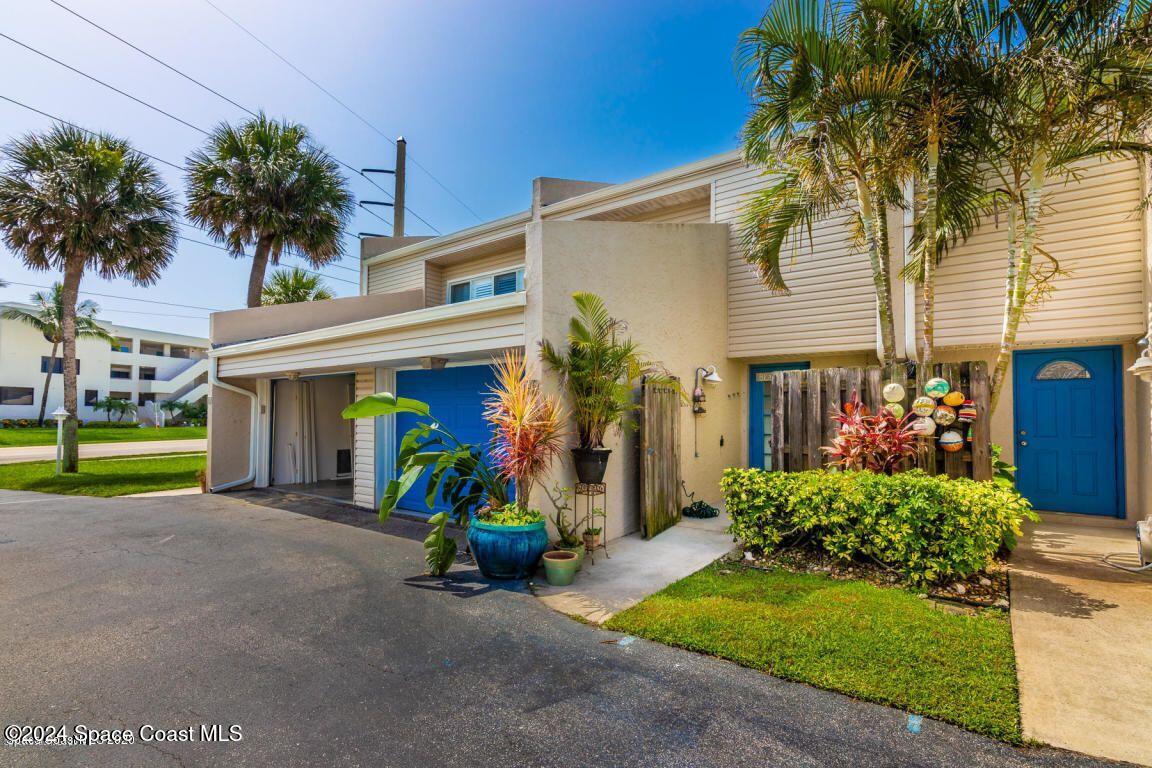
<point>586,497</point>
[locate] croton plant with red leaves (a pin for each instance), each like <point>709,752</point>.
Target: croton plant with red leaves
<point>877,442</point>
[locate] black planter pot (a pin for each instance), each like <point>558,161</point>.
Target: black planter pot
<point>590,464</point>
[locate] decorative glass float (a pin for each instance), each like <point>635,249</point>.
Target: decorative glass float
<point>936,388</point>
<point>951,441</point>
<point>923,406</point>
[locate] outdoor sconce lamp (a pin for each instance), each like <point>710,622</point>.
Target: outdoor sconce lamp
<point>703,374</point>
<point>1142,368</point>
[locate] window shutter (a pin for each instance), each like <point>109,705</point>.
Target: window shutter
<point>481,287</point>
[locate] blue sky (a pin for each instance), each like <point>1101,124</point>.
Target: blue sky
<point>489,95</point>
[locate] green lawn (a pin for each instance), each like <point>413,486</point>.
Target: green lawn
<point>47,435</point>
<point>878,644</point>
<point>106,477</point>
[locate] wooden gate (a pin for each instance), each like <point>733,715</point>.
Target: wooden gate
<point>659,456</point>
<point>803,403</point>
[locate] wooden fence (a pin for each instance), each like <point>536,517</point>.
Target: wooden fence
<point>660,456</point>
<point>801,405</point>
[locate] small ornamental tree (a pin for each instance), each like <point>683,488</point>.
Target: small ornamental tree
<point>877,442</point>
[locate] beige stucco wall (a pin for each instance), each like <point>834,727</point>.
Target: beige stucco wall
<point>263,322</point>
<point>668,282</point>
<point>229,432</point>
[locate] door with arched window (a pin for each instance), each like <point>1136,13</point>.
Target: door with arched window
<point>1069,442</point>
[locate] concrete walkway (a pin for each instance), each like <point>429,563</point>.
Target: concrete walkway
<point>193,491</point>
<point>1083,636</point>
<point>99,450</point>
<point>637,568</point>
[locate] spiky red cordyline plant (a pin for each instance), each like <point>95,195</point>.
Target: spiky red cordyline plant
<point>876,442</point>
<point>528,426</point>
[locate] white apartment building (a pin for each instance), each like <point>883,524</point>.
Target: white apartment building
<point>144,366</point>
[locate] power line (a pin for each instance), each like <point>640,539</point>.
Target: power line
<point>217,93</point>
<point>125,298</point>
<point>101,82</point>
<point>153,58</point>
<point>230,252</point>
<point>349,109</point>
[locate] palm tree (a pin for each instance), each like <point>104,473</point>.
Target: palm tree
<point>107,405</point>
<point>290,286</point>
<point>1070,81</point>
<point>263,184</point>
<point>72,200</point>
<point>47,317</point>
<point>946,43</point>
<point>826,117</point>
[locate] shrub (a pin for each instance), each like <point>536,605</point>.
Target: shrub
<point>112,424</point>
<point>929,528</point>
<point>510,514</point>
<point>6,424</point>
<point>877,442</point>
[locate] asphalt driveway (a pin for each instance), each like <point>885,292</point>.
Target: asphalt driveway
<point>314,638</point>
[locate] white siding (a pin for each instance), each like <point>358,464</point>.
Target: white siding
<point>831,307</point>
<point>481,331</point>
<point>398,275</point>
<point>1094,230</point>
<point>480,266</point>
<point>693,213</point>
<point>364,446</point>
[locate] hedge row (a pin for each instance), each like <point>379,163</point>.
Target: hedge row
<point>929,528</point>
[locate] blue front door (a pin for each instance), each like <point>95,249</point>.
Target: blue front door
<point>1068,429</point>
<point>760,412</point>
<point>456,398</point>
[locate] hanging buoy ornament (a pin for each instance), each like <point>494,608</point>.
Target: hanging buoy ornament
<point>923,406</point>
<point>924,426</point>
<point>895,409</point>
<point>893,392</point>
<point>944,415</point>
<point>967,412</point>
<point>955,398</point>
<point>936,388</point>
<point>951,441</point>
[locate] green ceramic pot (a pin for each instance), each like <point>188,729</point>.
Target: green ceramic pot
<point>560,567</point>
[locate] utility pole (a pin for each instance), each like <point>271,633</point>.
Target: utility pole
<point>398,205</point>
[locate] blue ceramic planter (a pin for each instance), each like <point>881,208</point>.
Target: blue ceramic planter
<point>507,551</point>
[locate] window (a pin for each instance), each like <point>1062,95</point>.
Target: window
<point>499,284</point>
<point>91,396</point>
<point>16,396</point>
<point>1062,369</point>
<point>57,364</point>
<point>181,352</point>
<point>120,395</point>
<point>146,397</point>
<point>147,373</point>
<point>153,348</point>
<point>122,345</point>
<point>120,372</point>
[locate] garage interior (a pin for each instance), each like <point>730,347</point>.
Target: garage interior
<point>311,442</point>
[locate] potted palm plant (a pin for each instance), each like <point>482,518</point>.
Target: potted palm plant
<point>506,537</point>
<point>599,371</point>
<point>528,435</point>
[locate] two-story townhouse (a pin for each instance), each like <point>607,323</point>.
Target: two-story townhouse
<point>143,366</point>
<point>664,252</point>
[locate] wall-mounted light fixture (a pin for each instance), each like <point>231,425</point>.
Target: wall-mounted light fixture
<point>1142,368</point>
<point>703,374</point>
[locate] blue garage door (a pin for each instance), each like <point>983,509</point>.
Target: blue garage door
<point>456,397</point>
<point>1068,429</point>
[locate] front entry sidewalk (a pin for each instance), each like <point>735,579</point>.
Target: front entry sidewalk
<point>1083,636</point>
<point>637,568</point>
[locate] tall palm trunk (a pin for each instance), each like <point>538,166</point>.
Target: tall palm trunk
<point>259,267</point>
<point>47,383</point>
<point>73,272</point>
<point>928,284</point>
<point>1021,249</point>
<point>874,235</point>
